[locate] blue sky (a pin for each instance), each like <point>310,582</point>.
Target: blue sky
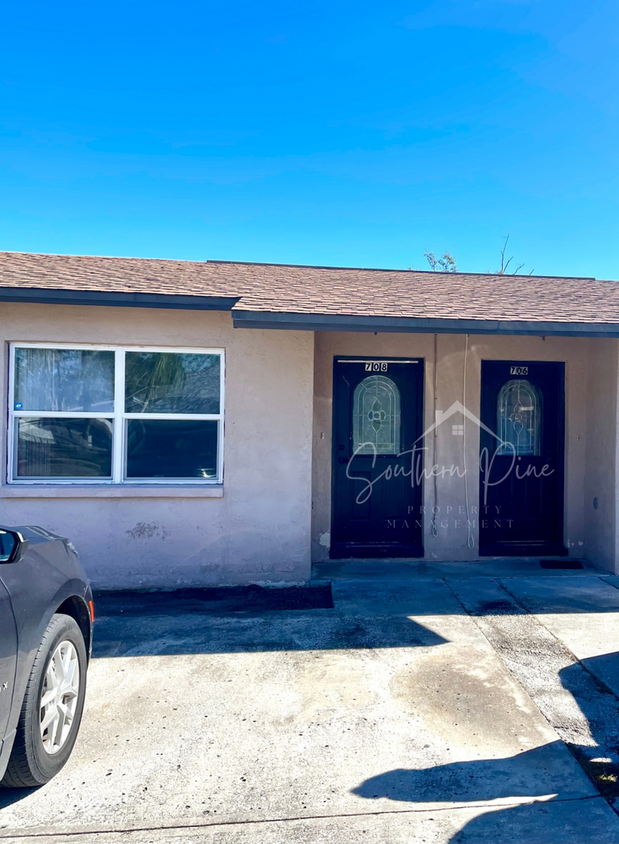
<point>343,133</point>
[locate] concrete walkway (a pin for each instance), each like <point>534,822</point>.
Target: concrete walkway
<point>436,710</point>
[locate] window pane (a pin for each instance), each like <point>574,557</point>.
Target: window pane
<point>171,448</point>
<point>64,379</point>
<point>171,382</point>
<point>64,448</point>
<point>376,416</point>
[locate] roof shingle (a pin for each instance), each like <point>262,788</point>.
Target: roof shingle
<point>277,288</point>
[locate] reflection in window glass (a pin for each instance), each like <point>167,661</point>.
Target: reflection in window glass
<point>63,448</point>
<point>376,416</point>
<point>65,424</point>
<point>70,380</point>
<point>171,382</point>
<point>519,418</point>
<point>171,448</point>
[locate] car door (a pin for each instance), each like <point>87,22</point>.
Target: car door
<point>8,656</point>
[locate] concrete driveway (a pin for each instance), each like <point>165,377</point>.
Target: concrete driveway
<point>433,710</point>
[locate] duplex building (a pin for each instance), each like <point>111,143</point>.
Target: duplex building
<point>215,423</point>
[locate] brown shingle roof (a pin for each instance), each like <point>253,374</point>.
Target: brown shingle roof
<point>276,288</point>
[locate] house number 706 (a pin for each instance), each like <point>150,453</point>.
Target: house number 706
<point>519,370</point>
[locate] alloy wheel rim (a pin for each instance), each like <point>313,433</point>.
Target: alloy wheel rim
<point>59,697</point>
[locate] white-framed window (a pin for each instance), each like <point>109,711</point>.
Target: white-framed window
<point>116,415</point>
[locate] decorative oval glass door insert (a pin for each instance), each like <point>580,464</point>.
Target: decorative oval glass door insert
<point>519,412</point>
<point>376,416</point>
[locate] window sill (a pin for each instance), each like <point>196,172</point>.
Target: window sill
<point>111,491</point>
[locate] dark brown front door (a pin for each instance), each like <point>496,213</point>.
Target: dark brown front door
<point>521,458</point>
<point>377,421</point>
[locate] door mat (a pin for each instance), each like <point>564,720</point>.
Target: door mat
<point>561,564</point>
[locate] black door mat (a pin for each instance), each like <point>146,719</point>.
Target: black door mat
<point>561,564</point>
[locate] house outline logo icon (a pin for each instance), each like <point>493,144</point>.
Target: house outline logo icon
<point>458,407</point>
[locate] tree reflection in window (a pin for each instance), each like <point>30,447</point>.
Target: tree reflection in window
<point>519,418</point>
<point>376,416</point>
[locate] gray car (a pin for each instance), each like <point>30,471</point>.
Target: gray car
<point>46,615</point>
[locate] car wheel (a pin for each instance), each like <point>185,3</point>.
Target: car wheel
<point>52,708</point>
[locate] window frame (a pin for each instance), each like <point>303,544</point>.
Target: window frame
<point>118,416</point>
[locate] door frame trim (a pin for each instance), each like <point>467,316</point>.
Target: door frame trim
<point>419,420</point>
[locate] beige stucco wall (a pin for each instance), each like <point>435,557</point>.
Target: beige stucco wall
<point>601,453</point>
<point>590,434</point>
<point>259,530</point>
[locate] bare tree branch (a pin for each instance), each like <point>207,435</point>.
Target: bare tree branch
<point>505,264</point>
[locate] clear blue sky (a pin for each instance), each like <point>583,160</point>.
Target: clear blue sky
<point>330,133</point>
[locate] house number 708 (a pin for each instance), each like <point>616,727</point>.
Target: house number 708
<point>376,366</point>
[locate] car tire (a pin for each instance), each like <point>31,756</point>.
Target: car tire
<point>52,695</point>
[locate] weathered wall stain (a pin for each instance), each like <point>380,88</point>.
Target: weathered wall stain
<point>147,530</point>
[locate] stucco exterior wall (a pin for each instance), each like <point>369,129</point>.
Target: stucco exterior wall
<point>600,498</point>
<point>278,467</point>
<point>256,528</point>
<point>452,539</point>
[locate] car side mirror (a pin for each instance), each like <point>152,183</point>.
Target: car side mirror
<point>12,545</point>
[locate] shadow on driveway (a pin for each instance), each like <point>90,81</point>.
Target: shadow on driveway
<point>254,619</point>
<point>537,773</point>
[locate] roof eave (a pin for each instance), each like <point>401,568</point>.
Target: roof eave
<point>344,322</point>
<point>116,299</point>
